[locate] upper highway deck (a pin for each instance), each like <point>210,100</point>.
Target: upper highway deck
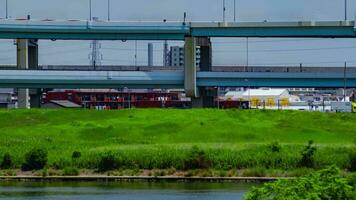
<point>103,30</point>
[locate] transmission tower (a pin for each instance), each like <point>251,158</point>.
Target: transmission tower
<point>95,55</point>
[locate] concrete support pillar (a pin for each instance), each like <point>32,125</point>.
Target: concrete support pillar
<point>206,98</point>
<point>205,53</point>
<point>23,98</point>
<point>35,94</point>
<point>190,68</point>
<point>27,58</point>
<point>200,97</point>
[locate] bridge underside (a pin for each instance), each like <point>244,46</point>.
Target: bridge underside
<point>173,79</point>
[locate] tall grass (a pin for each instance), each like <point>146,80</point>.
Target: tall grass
<point>164,139</point>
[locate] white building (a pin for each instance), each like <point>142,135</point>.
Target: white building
<point>177,56</point>
<point>261,94</point>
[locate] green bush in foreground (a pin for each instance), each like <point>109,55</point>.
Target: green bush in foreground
<point>323,185</point>
<point>35,159</point>
<point>308,155</point>
<point>196,159</point>
<point>6,161</point>
<point>107,162</point>
<point>70,171</point>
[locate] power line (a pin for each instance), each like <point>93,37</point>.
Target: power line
<point>284,50</point>
<point>63,52</point>
<point>269,41</point>
<point>122,49</point>
<point>293,63</point>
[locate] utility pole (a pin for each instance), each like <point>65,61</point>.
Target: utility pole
<point>135,53</point>
<point>90,10</point>
<point>247,55</point>
<point>345,10</point>
<point>345,89</point>
<point>6,9</point>
<point>234,10</point>
<point>224,10</point>
<point>108,10</point>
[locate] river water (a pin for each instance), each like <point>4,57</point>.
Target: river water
<point>124,191</point>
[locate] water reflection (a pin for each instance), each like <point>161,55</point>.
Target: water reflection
<point>124,191</point>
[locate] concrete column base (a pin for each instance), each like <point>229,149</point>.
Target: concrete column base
<point>206,98</point>
<point>23,98</point>
<point>35,98</point>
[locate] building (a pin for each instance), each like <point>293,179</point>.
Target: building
<point>108,99</point>
<point>176,56</point>
<point>261,95</point>
<point>6,98</point>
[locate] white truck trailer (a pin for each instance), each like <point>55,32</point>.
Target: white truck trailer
<point>339,106</point>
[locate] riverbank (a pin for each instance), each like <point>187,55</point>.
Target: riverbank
<point>175,179</point>
<point>203,143</point>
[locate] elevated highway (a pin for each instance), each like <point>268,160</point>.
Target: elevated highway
<point>194,34</point>
<point>103,30</point>
<point>170,79</point>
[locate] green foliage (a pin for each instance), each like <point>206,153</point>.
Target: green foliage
<point>6,161</point>
<point>323,185</point>
<point>255,172</point>
<point>44,172</point>
<point>308,155</point>
<point>163,138</point>
<point>352,161</point>
<point>76,155</point>
<point>196,159</point>
<point>61,163</point>
<point>275,147</point>
<point>70,171</point>
<point>107,162</point>
<point>35,159</point>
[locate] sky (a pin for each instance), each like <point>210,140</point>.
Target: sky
<point>231,51</point>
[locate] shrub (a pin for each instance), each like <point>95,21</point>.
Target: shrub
<point>44,172</point>
<point>324,185</point>
<point>61,163</point>
<point>70,171</point>
<point>308,155</point>
<point>274,147</point>
<point>255,172</point>
<point>107,162</point>
<point>196,159</point>
<point>76,155</point>
<point>6,161</point>
<point>35,159</point>
<point>352,161</point>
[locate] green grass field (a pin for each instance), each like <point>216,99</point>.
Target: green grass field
<point>163,139</point>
